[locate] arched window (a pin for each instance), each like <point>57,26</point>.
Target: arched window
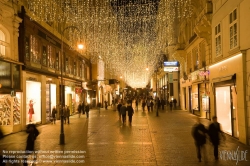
<point>2,43</point>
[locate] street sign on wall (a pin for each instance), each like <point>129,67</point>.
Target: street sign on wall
<point>171,69</point>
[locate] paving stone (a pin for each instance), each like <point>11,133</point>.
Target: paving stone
<point>150,141</point>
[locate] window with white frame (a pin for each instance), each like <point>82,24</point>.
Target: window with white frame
<point>233,29</point>
<point>2,43</point>
<point>218,40</point>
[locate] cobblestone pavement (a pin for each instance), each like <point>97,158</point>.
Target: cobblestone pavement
<point>102,140</point>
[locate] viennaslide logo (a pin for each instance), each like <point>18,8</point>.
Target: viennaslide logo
<point>235,155</point>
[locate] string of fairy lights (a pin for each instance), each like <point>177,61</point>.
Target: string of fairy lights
<point>128,35</point>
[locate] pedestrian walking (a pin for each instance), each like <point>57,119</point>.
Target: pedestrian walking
<point>66,114</point>
<point>79,109</point>
<point>143,104</point>
<point>136,104</point>
<point>130,113</point>
<point>152,105</point>
<point>158,103</point>
<point>148,104</point>
<point>215,133</point>
<point>199,134</point>
<point>106,104</point>
<point>87,110</point>
<point>123,112</point>
<point>162,104</point>
<point>171,105</point>
<point>54,112</point>
<point>83,107</point>
<point>174,102</point>
<point>30,144</point>
<point>119,105</point>
<point>1,157</point>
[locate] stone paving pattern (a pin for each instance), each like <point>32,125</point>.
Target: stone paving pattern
<point>151,140</point>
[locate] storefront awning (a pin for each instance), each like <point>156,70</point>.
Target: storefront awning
<point>224,78</point>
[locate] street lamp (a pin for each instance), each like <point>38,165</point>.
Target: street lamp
<point>80,46</point>
<point>157,113</point>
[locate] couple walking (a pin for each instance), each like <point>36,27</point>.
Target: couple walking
<point>199,133</point>
<point>123,109</point>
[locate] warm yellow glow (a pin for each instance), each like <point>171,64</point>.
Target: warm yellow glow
<point>227,60</point>
<point>120,76</point>
<point>80,46</point>
<point>147,68</point>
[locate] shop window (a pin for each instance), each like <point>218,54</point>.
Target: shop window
<point>51,57</point>
<point>34,49</point>
<point>57,61</point>
<point>2,43</point>
<point>217,40</point>
<point>233,29</point>
<point>9,104</point>
<point>74,72</point>
<point>80,71</point>
<point>67,65</point>
<point>16,76</point>
<point>27,50</point>
<point>33,105</point>
<point>44,56</point>
<point>5,74</point>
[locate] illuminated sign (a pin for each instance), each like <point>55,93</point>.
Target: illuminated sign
<point>170,63</point>
<point>171,69</point>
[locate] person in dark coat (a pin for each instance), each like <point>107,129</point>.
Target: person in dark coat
<point>136,104</point>
<point>174,102</point>
<point>199,134</point>
<point>152,105</point>
<point>130,113</point>
<point>119,110</point>
<point>54,112</point>
<point>123,110</point>
<point>162,104</point>
<point>79,109</point>
<point>33,133</point>
<point>214,132</point>
<point>106,104</point>
<point>87,110</point>
<point>82,108</point>
<point>66,114</point>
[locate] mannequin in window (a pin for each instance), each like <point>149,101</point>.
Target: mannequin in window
<point>31,110</point>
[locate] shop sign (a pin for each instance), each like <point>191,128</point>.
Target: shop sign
<point>171,69</point>
<point>31,79</point>
<point>204,73</point>
<point>78,90</point>
<point>170,63</point>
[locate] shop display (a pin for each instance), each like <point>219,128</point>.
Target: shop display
<point>16,111</point>
<point>5,110</point>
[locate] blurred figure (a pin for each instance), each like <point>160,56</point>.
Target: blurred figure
<point>130,113</point>
<point>162,104</point>
<point>82,108</point>
<point>79,109</point>
<point>87,110</point>
<point>214,132</point>
<point>123,112</point>
<point>119,110</point>
<point>54,112</point>
<point>171,105</point>
<point>33,133</point>
<point>174,102</point>
<point>152,105</point>
<point>136,104</point>
<point>1,157</point>
<point>199,134</point>
<point>143,103</point>
<point>66,114</point>
<point>106,104</point>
